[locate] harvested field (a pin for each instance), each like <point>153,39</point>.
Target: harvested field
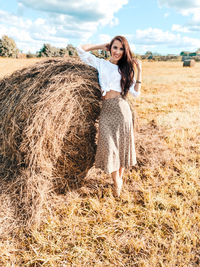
<point>9,65</point>
<point>156,220</point>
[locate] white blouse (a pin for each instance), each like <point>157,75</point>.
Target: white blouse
<point>109,76</point>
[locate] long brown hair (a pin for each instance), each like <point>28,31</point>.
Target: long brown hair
<point>125,65</point>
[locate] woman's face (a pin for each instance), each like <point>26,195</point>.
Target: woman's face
<point>117,51</point>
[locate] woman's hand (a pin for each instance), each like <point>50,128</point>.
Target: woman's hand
<point>138,63</point>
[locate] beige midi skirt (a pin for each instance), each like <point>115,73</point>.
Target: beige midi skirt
<point>115,143</point>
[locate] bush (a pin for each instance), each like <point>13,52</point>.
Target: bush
<point>8,47</point>
<point>70,49</point>
<point>49,51</point>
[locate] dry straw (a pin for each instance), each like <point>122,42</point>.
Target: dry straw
<point>47,131</point>
<point>48,116</point>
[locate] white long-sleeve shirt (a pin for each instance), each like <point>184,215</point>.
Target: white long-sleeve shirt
<point>109,76</point>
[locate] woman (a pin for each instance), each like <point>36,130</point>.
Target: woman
<point>115,146</point>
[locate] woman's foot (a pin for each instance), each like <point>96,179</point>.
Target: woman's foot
<point>118,187</point>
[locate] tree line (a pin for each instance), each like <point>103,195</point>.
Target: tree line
<point>8,48</point>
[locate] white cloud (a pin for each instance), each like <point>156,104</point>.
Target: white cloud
<point>180,4</point>
<point>13,20</point>
<point>144,48</point>
<point>62,22</point>
<point>180,28</point>
<point>166,15</point>
<point>196,15</point>
<point>59,21</point>
<point>184,7</point>
<point>29,35</point>
<point>185,29</point>
<point>191,42</point>
<point>154,36</point>
<point>104,38</point>
<point>40,22</point>
<point>133,47</point>
<point>83,10</point>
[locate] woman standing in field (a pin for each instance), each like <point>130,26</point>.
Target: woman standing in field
<point>115,147</point>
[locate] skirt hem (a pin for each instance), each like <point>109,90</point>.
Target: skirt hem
<point>109,172</point>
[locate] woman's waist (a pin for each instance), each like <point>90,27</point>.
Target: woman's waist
<point>111,94</point>
<point>114,102</point>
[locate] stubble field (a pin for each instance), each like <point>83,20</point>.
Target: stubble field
<point>156,222</point>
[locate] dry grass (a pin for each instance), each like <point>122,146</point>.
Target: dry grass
<point>156,222</point>
<point>9,65</point>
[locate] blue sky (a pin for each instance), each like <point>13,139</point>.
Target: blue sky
<point>161,26</point>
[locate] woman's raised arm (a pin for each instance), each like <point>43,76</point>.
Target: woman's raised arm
<point>90,47</point>
<point>87,57</point>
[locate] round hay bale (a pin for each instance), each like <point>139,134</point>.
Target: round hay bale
<point>189,63</point>
<point>47,129</point>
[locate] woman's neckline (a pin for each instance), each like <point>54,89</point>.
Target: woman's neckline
<point>112,63</point>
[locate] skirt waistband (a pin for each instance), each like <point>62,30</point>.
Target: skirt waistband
<point>112,98</point>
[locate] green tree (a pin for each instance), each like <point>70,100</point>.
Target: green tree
<point>8,47</point>
<point>148,53</point>
<point>49,51</point>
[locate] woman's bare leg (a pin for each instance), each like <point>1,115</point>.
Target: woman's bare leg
<point>121,171</point>
<point>118,182</point>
